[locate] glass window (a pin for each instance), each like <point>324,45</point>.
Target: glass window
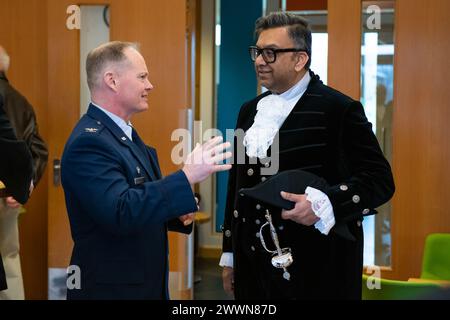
<point>318,22</point>
<point>377,87</point>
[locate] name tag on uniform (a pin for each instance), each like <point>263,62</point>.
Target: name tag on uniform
<point>139,180</point>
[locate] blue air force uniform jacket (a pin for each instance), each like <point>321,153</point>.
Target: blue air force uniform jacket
<point>326,134</point>
<point>120,209</point>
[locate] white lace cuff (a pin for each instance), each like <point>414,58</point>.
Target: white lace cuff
<point>226,260</point>
<point>322,207</point>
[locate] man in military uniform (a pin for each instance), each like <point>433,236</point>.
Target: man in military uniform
<point>120,206</point>
<point>301,124</point>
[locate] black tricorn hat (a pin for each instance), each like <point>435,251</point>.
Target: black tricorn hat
<point>292,181</point>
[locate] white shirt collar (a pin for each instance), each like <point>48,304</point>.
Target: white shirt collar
<point>126,127</point>
<point>296,92</point>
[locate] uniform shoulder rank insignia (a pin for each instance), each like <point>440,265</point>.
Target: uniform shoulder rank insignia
<point>91,130</point>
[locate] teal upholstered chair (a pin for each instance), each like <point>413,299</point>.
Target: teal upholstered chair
<point>436,257</point>
<point>398,290</point>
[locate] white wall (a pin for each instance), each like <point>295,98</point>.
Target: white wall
<point>208,237</point>
<point>93,33</point>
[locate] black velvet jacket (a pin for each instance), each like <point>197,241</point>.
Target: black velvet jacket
<point>328,134</point>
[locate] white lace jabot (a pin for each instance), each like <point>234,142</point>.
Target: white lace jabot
<point>272,110</point>
<point>271,113</point>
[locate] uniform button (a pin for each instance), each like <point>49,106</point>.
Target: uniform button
<point>281,228</point>
<point>241,194</point>
<point>267,164</point>
<point>355,198</point>
<point>252,248</point>
<point>124,139</point>
<point>257,221</point>
<point>263,179</point>
<point>250,172</point>
<point>343,187</point>
<point>236,213</point>
<point>98,122</point>
<point>257,234</point>
<point>243,219</point>
<point>228,233</point>
<point>358,223</point>
<point>258,207</point>
<point>366,211</point>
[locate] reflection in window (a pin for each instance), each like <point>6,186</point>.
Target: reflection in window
<point>318,23</point>
<point>94,32</point>
<point>377,79</point>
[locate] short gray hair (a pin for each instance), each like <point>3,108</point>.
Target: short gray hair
<point>4,60</point>
<point>100,57</point>
<point>298,29</point>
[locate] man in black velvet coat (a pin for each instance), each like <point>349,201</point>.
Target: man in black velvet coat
<point>301,124</point>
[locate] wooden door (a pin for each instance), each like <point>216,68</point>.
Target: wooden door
<point>421,133</point>
<point>421,149</point>
<point>23,33</point>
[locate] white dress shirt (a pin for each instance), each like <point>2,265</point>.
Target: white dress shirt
<point>126,127</point>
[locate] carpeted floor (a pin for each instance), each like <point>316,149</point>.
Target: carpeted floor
<point>208,284</point>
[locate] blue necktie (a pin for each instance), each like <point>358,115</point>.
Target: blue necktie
<point>141,146</point>
<point>138,142</point>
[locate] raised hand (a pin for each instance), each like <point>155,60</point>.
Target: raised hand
<point>203,160</point>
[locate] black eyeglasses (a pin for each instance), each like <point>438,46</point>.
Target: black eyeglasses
<point>269,54</point>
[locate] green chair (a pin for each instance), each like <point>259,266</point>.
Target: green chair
<point>436,257</point>
<point>398,290</point>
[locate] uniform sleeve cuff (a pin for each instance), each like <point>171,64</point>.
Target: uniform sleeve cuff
<point>226,260</point>
<point>321,205</point>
